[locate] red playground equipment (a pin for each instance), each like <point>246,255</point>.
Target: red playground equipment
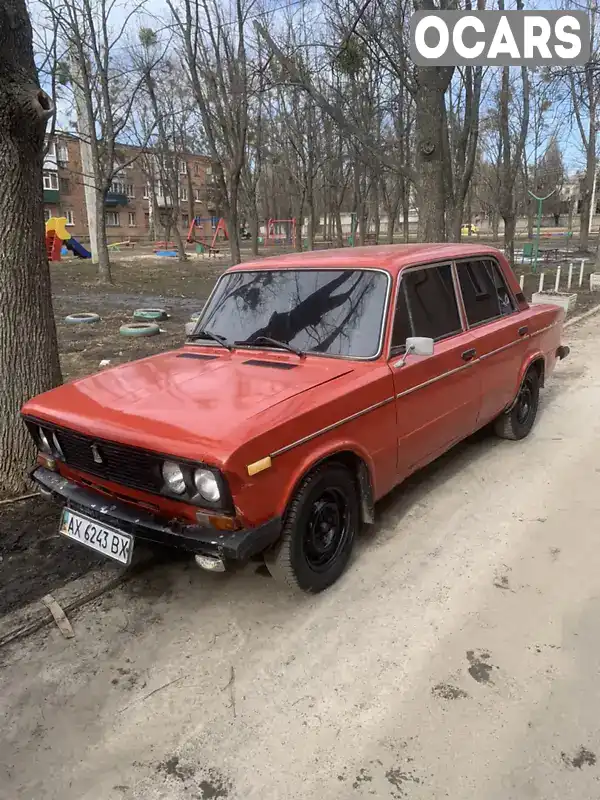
<point>197,232</point>
<point>281,232</point>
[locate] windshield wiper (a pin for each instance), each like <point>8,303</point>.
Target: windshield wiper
<point>275,343</point>
<point>206,334</point>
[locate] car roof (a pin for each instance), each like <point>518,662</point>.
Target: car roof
<point>392,258</point>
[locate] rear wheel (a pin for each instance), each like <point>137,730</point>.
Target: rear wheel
<point>318,532</point>
<point>518,422</point>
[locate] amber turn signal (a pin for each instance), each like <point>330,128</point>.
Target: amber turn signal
<point>224,523</point>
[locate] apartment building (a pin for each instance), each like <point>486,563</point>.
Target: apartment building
<point>127,205</point>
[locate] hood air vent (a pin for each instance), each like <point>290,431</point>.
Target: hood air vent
<point>256,362</point>
<point>199,356</point>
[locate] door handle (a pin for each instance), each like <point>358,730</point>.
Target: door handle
<point>522,331</point>
<point>469,354</point>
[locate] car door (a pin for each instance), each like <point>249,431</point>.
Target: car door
<point>499,330</point>
<point>437,397</point>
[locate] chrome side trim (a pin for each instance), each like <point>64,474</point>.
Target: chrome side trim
<point>504,347</point>
<point>331,427</point>
<point>437,378</point>
<point>542,330</point>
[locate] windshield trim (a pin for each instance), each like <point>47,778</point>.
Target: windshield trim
<point>384,316</point>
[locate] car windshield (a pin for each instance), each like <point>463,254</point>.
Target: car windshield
<point>333,312</point>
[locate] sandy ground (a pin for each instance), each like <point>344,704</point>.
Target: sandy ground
<point>458,656</point>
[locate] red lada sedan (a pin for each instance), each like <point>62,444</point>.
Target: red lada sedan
<point>312,385</point>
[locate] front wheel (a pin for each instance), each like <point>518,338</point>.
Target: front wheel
<point>319,531</point>
<point>518,422</point>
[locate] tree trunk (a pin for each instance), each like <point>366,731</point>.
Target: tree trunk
<point>510,223</point>
<point>191,208</point>
<point>587,190</point>
<point>405,223</point>
<point>495,226</point>
<point>339,234</point>
<point>390,226</point>
<point>530,217</point>
<point>104,271</point>
<point>181,256</point>
<point>430,154</point>
<point>29,362</point>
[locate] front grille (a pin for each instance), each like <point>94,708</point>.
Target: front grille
<point>120,464</point>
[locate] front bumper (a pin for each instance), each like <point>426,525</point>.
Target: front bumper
<point>237,546</point>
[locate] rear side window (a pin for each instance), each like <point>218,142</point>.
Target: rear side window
<point>426,306</point>
<point>484,290</point>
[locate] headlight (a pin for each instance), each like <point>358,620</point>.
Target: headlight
<point>207,485</point>
<point>44,443</point>
<point>173,477</point>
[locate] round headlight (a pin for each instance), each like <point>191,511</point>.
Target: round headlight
<point>173,477</point>
<point>207,485</point>
<point>44,443</point>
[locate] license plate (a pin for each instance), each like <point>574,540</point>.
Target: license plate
<point>102,538</point>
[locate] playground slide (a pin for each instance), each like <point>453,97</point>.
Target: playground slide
<point>77,248</point>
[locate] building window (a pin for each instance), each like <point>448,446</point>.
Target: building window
<point>64,186</point>
<point>48,212</point>
<point>183,167</point>
<point>50,180</point>
<point>197,169</point>
<point>131,219</point>
<point>69,216</point>
<point>112,219</point>
<point>147,191</point>
<point>146,220</point>
<point>183,193</point>
<point>198,195</point>
<point>185,220</point>
<point>118,187</point>
<point>208,170</point>
<point>51,153</point>
<point>63,152</point>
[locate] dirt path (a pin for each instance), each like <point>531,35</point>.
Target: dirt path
<point>457,658</point>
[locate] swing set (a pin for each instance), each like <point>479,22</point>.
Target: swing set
<point>220,230</point>
<point>281,232</point>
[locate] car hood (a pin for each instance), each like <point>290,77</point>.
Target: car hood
<point>193,402</point>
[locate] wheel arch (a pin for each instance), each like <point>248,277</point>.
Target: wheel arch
<point>351,457</point>
<point>535,361</point>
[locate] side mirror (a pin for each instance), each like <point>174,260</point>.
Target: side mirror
<point>417,346</point>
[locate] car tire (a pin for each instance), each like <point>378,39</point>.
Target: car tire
<point>139,329</point>
<point>319,529</point>
<point>518,422</point>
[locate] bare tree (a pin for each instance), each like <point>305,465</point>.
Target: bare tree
<point>216,60</point>
<point>105,87</point>
<point>29,361</point>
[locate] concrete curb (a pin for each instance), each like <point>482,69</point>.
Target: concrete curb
<point>75,594</point>
<point>581,317</point>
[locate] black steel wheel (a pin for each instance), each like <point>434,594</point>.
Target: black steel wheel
<point>318,532</point>
<point>518,422</point>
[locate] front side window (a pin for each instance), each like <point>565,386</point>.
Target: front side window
<point>485,293</point>
<point>326,311</point>
<point>426,306</point>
